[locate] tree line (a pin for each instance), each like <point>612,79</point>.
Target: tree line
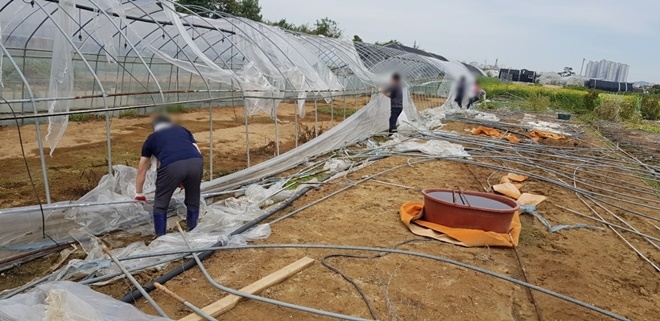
<point>252,10</point>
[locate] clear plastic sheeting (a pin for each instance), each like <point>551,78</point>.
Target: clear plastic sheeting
<point>116,210</point>
<point>61,73</point>
<point>369,120</point>
<point>69,301</point>
<point>546,126</point>
<point>432,147</point>
<point>334,165</point>
<point>98,264</point>
<point>95,55</point>
<point>217,222</point>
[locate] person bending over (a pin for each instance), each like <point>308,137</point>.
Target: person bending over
<point>395,93</point>
<point>475,94</point>
<point>180,165</point>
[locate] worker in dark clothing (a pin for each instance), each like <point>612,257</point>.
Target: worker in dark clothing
<point>461,89</point>
<point>395,92</point>
<point>180,165</point>
<point>475,94</point>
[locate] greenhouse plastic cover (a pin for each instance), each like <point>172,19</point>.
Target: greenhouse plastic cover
<point>369,120</point>
<point>69,301</point>
<point>260,60</point>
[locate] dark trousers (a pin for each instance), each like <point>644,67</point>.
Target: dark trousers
<point>459,100</point>
<point>187,172</point>
<point>472,101</point>
<point>394,115</point>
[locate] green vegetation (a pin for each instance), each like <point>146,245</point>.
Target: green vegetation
<point>636,111</point>
<point>558,98</point>
<point>537,102</point>
<point>241,8</point>
<point>129,113</point>
<point>644,126</point>
<point>338,111</point>
<point>79,118</point>
<point>618,108</point>
<point>294,183</point>
<point>176,109</point>
<point>325,27</point>
<point>650,107</point>
<point>608,106</point>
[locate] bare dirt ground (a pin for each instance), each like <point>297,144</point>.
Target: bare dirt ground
<point>593,266</point>
<point>589,265</point>
<point>642,145</point>
<point>80,159</point>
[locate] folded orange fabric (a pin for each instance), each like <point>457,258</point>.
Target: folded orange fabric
<point>538,134</point>
<point>492,132</point>
<point>411,216</point>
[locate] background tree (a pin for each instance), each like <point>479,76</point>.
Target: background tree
<point>393,41</point>
<point>655,89</point>
<point>241,8</point>
<point>251,9</point>
<point>327,27</point>
<point>568,71</point>
<point>357,38</point>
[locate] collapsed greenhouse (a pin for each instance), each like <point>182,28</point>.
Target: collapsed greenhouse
<point>244,83</point>
<point>64,58</point>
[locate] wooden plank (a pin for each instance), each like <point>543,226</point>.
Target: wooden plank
<point>229,302</point>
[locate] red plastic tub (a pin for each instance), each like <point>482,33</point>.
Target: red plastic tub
<point>469,210</point>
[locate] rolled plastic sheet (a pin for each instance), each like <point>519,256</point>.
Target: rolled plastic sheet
<point>69,301</point>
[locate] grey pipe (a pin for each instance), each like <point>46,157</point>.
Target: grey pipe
<point>258,298</point>
<point>135,283</point>
<point>389,250</point>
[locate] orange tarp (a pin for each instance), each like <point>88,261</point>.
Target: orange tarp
<point>516,177</point>
<point>508,189</point>
<point>492,132</point>
<point>538,134</point>
<point>530,199</point>
<point>411,216</point>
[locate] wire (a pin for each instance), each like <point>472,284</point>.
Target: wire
<point>351,281</point>
<point>386,250</point>
<point>27,167</point>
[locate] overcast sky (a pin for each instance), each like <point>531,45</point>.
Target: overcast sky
<point>541,35</point>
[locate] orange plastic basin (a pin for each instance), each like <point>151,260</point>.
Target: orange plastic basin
<point>469,210</point>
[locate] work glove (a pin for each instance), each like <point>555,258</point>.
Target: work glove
<point>140,197</point>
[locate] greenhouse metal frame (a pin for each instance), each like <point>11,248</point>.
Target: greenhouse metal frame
<point>68,57</point>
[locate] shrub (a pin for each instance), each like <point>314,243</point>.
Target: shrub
<point>618,108</point>
<point>537,102</point>
<point>650,107</point>
<point>559,98</point>
<point>629,110</point>
<point>591,100</point>
<point>609,108</point>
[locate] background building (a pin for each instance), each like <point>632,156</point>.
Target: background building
<point>607,70</point>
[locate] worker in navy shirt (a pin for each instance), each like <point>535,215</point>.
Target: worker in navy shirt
<point>395,93</point>
<point>180,165</point>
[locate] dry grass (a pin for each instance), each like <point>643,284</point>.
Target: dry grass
<point>307,133</point>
